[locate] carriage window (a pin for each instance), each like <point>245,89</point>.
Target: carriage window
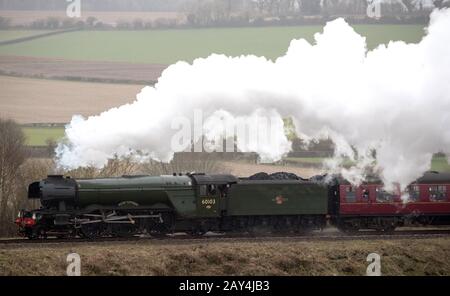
<point>203,190</point>
<point>350,194</point>
<point>384,196</point>
<point>438,193</point>
<point>414,192</point>
<point>365,194</point>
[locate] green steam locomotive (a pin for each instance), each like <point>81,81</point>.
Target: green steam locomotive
<point>159,205</point>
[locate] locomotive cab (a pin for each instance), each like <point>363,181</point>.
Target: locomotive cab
<point>212,193</point>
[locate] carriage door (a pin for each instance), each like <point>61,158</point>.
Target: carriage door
<point>208,200</point>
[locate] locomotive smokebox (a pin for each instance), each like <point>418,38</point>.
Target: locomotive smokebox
<point>53,190</point>
<point>34,190</point>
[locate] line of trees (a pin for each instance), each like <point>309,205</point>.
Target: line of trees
<point>210,13</point>
<point>342,7</point>
<point>273,7</point>
<point>207,12</point>
<point>91,23</point>
<point>94,5</point>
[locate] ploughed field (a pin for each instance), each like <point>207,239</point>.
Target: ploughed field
<point>427,256</point>
<point>39,100</point>
<point>62,69</point>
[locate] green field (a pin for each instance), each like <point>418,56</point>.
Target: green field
<point>14,34</point>
<point>440,164</point>
<point>168,46</point>
<point>38,136</point>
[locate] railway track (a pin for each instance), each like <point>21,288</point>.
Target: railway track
<point>319,236</point>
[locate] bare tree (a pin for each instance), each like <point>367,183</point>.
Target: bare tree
<point>12,156</point>
<point>4,22</point>
<point>310,7</point>
<point>210,12</point>
<point>31,170</point>
<point>90,21</point>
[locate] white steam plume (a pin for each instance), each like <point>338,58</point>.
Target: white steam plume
<point>394,99</point>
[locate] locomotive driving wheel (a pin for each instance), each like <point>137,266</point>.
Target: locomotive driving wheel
<point>36,233</point>
<point>92,230</point>
<point>124,230</point>
<point>162,227</point>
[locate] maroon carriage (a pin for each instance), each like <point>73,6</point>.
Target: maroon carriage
<point>368,206</point>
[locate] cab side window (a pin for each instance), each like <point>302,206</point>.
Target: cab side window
<point>384,196</point>
<point>203,190</point>
<point>350,194</point>
<point>212,190</point>
<point>438,192</point>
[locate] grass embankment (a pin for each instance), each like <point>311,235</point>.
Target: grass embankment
<point>398,257</point>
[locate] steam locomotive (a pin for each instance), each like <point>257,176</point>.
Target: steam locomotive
<point>198,203</point>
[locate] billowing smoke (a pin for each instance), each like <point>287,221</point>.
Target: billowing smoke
<point>391,103</point>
